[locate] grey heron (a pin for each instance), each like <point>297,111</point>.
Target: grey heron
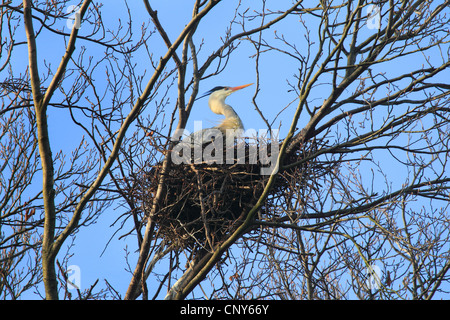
<point>232,124</point>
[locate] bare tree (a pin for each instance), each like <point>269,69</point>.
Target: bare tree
<point>357,202</point>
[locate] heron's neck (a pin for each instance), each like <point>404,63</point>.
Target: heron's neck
<point>232,120</point>
<point>218,106</point>
<point>229,112</point>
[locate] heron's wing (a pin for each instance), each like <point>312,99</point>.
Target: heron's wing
<point>231,123</point>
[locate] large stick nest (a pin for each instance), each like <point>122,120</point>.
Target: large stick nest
<point>203,203</point>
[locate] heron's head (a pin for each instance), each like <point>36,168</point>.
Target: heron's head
<point>223,92</point>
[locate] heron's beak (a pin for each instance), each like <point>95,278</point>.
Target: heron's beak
<point>240,87</point>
